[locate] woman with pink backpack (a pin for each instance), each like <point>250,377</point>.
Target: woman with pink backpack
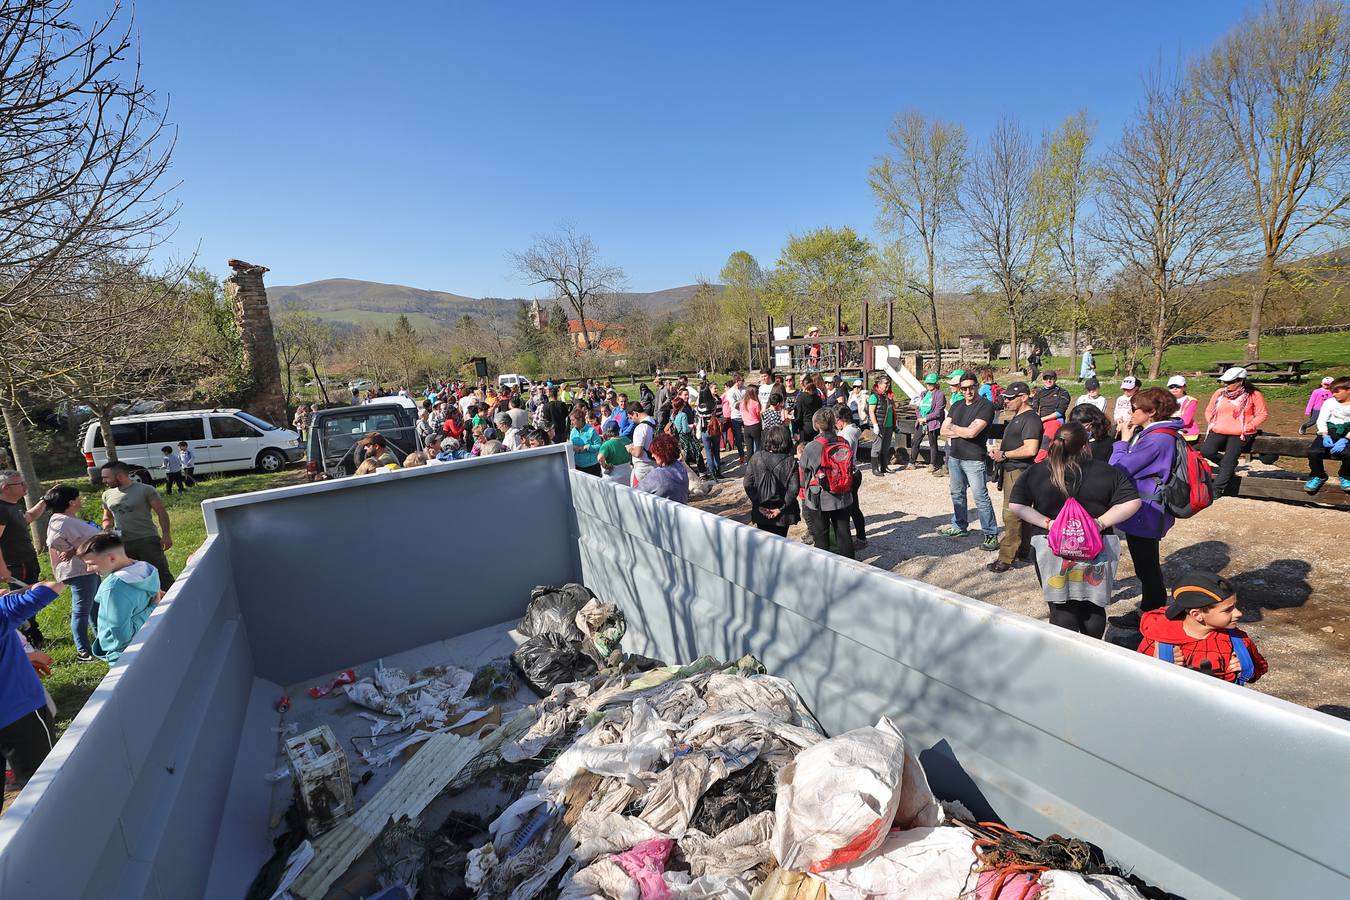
<point>1072,501</point>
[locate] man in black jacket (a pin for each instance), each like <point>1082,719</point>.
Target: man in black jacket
<point>808,402</point>
<point>558,417</point>
<point>1051,401</point>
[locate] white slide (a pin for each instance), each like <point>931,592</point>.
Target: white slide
<point>887,359</point>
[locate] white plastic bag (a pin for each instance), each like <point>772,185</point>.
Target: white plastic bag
<point>1072,886</point>
<point>916,864</point>
<point>838,799</point>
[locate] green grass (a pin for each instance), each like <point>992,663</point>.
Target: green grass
<point>71,683</point>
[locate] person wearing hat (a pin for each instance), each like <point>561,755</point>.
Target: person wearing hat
<point>1015,454</point>
<point>857,401</point>
<point>954,381</point>
<point>1128,385</point>
<point>1332,440</point>
<point>881,413</point>
<point>930,407</point>
<point>1051,401</point>
<point>1093,397</point>
<point>813,352</point>
<point>1088,368</point>
<point>1196,630</point>
<point>1187,406</point>
<point>1235,413</point>
<point>1321,394</point>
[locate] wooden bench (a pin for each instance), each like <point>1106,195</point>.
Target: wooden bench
<point>1268,369</point>
<point>1268,448</point>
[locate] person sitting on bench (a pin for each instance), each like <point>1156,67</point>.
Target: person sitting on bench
<point>1332,440</point>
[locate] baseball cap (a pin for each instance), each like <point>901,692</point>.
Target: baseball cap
<point>857,382</point>
<point>930,378</point>
<point>956,376</point>
<point>1016,389</point>
<point>1051,375</point>
<point>1092,384</point>
<point>1236,373</point>
<point>1176,381</point>
<point>829,379</point>
<point>1197,590</point>
<point>1129,382</point>
<point>1326,382</point>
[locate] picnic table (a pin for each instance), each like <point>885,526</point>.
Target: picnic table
<point>1268,369</point>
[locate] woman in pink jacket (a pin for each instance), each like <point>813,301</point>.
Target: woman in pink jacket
<point>1235,412</point>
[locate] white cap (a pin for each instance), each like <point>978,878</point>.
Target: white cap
<point>857,382</point>
<point>1236,373</point>
<point>830,379</point>
<point>1176,381</point>
<point>1326,382</point>
<point>1128,382</point>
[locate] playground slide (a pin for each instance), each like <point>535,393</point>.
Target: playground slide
<point>887,359</point>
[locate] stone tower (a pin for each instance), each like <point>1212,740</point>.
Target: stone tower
<point>247,295</point>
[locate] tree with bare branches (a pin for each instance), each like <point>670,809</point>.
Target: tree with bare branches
<point>1006,238</point>
<point>917,189</point>
<point>569,263</point>
<point>1169,207</point>
<point>1279,85</point>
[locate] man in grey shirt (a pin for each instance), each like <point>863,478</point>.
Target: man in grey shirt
<point>127,505</point>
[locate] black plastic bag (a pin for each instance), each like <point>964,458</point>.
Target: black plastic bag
<point>553,610</point>
<point>548,660</point>
<point>736,798</point>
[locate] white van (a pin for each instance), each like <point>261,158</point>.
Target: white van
<point>221,440</point>
<point>520,382</point>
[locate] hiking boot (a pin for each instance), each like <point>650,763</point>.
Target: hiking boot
<point>990,542</point>
<point>998,567</point>
<point>1128,621</point>
<point>1314,484</point>
<point>952,531</point>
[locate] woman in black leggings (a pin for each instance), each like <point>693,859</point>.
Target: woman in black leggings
<point>1106,493</point>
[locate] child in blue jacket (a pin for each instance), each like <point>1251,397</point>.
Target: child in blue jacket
<point>27,733</point>
<point>126,597</point>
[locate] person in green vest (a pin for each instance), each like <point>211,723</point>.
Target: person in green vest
<point>881,413</point>
<point>931,409</point>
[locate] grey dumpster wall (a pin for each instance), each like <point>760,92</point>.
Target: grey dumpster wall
<point>156,789</point>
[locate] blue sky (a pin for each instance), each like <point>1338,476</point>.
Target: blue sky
<point>420,143</point>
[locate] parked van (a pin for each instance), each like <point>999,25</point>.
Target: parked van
<point>520,382</point>
<point>335,433</point>
<point>221,440</point>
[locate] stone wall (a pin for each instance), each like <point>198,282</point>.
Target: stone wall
<point>248,297</point>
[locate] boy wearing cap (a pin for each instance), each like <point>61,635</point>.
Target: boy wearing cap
<point>1196,630</point>
<point>1093,397</point>
<point>1186,407</point>
<point>1320,395</point>
<point>1121,417</point>
<point>1332,440</point>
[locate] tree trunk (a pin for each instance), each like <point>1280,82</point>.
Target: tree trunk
<point>23,462</point>
<point>105,426</point>
<point>1012,337</point>
<point>1073,336</point>
<point>319,381</point>
<point>932,310</point>
<point>1159,333</point>
<point>1258,305</point>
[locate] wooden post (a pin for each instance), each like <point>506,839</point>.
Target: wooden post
<point>866,328</point>
<point>749,344</point>
<point>890,319</point>
<point>838,319</point>
<point>768,343</point>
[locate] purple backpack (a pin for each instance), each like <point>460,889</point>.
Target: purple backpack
<point>1074,534</point>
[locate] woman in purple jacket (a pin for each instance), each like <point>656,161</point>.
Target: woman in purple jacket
<point>1146,452</point>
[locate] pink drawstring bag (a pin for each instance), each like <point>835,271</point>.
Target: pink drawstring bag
<point>1074,534</point>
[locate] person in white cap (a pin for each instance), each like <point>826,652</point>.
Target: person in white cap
<point>1128,385</point>
<point>1088,368</point>
<point>1236,411</point>
<point>1315,400</point>
<point>1186,407</point>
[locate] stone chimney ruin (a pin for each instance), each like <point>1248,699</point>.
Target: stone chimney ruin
<point>248,297</point>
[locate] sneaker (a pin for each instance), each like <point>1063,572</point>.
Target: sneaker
<point>990,542</point>
<point>1345,484</point>
<point>939,473</point>
<point>84,656</point>
<point>998,567</point>
<point>952,531</point>
<point>1314,484</point>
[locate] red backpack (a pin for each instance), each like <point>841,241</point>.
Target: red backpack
<point>1189,487</point>
<point>835,473</point>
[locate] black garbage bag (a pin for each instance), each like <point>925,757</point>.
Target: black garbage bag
<point>548,660</point>
<point>736,798</point>
<point>553,610</point>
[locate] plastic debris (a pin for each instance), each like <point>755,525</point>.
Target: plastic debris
<point>645,863</point>
<point>908,864</point>
<point>278,774</point>
<point>604,626</point>
<point>549,659</point>
<point>319,691</point>
<point>294,866</point>
<point>736,798</point>
<point>284,703</point>
<point>553,610</point>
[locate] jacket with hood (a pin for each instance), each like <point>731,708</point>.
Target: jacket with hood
<point>1148,460</point>
<point>20,690</point>
<point>125,600</point>
<point>1212,653</point>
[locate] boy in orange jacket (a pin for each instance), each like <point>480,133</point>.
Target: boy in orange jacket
<point>1196,630</point>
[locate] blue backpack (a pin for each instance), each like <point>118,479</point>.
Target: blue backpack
<point>1245,664</point>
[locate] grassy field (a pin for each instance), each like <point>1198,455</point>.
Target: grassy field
<point>71,683</point>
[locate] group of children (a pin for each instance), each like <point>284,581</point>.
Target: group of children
<point>178,468</point>
<point>126,597</point>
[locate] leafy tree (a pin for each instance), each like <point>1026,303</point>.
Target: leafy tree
<point>820,269</point>
<point>743,280</point>
<point>1279,86</point>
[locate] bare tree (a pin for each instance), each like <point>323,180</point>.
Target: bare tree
<point>1169,207</point>
<point>569,263</point>
<point>1279,85</point>
<point>1006,240</point>
<point>288,352</point>
<point>705,332</point>
<point>918,190</point>
<point>314,341</point>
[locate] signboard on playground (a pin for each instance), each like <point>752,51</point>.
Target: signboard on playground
<point>782,356</point>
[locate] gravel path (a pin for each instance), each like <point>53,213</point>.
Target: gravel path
<point>1290,564</point>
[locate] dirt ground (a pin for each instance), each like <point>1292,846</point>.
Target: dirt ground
<point>1289,563</point>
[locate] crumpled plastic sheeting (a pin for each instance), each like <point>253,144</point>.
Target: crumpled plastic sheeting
<point>646,863</point>
<point>600,834</point>
<point>556,712</point>
<point>644,740</point>
<point>605,879</point>
<point>675,794</point>
<point>390,691</point>
<point>604,626</point>
<point>837,799</point>
<point>740,848</point>
<point>1073,886</point>
<point>911,864</point>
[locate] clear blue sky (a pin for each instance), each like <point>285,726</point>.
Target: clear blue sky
<point>419,143</point>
